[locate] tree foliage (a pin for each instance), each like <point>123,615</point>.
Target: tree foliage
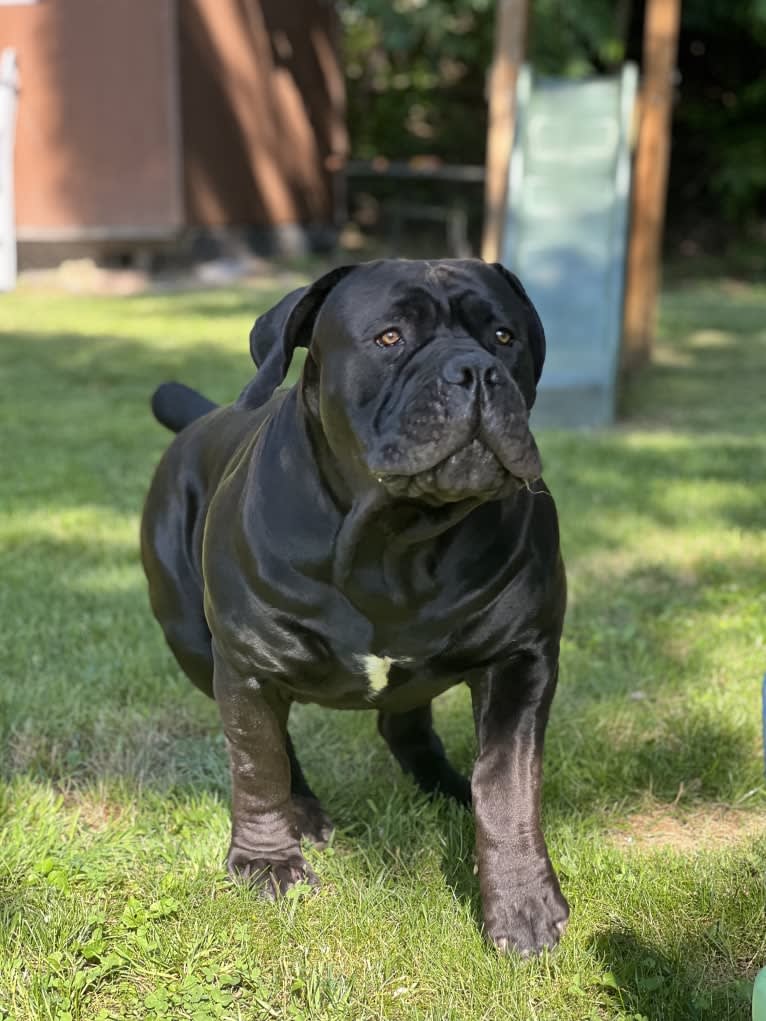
<point>416,72</point>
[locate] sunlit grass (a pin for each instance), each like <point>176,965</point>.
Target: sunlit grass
<point>114,798</point>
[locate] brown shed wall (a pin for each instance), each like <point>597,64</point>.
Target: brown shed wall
<point>263,110</point>
<point>97,135</point>
<point>139,117</point>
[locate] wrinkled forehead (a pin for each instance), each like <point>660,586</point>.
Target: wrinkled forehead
<point>419,289</point>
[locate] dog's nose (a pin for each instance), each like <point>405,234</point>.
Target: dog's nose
<point>470,371</point>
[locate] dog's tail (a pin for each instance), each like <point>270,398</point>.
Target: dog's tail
<point>175,405</point>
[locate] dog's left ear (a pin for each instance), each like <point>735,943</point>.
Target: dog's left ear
<point>535,332</point>
<point>276,334</point>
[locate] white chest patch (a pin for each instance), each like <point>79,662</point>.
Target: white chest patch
<point>376,668</point>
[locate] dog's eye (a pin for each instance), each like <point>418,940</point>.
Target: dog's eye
<point>388,337</point>
<point>503,336</point>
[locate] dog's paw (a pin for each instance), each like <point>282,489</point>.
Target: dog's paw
<point>271,878</point>
<point>313,823</point>
<point>526,919</point>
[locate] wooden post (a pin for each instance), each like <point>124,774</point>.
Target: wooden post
<point>661,26</point>
<point>510,43</point>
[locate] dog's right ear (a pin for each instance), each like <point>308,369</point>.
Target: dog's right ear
<point>276,334</point>
<point>536,333</point>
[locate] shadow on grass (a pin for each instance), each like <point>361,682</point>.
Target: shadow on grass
<point>683,988</point>
<point>79,422</point>
<point>707,375</point>
<point>614,493</point>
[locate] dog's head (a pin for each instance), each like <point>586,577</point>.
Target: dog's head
<point>421,374</point>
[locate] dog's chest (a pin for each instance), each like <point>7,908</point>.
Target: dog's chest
<point>386,653</point>
<point>387,674</point>
<point>377,669</point>
<point>387,682</point>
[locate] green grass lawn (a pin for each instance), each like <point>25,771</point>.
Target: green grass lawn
<point>114,784</point>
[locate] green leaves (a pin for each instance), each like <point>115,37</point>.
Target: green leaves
<point>199,998</point>
<point>54,874</point>
<point>137,915</point>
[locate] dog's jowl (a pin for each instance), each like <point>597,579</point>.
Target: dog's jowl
<point>366,539</point>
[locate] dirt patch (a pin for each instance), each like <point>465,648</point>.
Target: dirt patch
<point>95,811</point>
<point>687,830</point>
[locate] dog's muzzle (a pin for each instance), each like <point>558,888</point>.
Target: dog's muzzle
<point>461,432</point>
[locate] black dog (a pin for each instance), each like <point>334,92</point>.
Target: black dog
<point>369,538</point>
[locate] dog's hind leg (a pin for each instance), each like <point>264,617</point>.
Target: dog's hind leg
<point>190,643</point>
<point>418,749</point>
<point>175,587</point>
<point>314,824</point>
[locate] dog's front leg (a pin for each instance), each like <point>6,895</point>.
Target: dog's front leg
<point>264,835</point>
<point>523,907</point>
